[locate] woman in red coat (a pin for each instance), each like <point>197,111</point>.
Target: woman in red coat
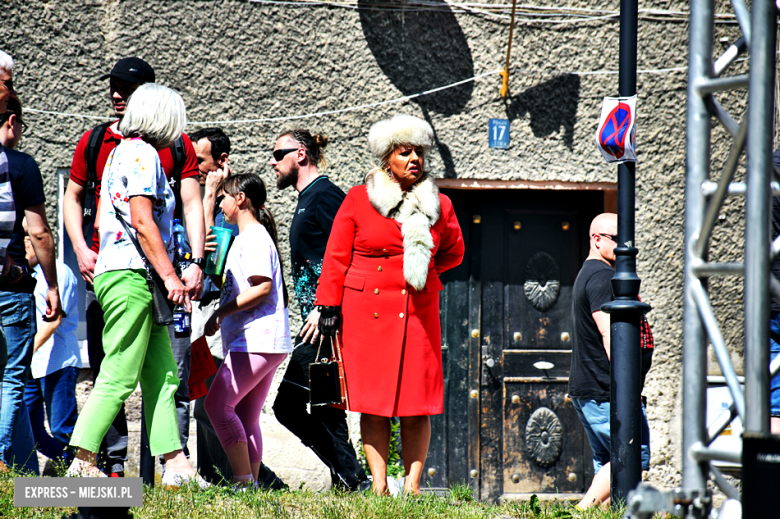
<point>390,241</point>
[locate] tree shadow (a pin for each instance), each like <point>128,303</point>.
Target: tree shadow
<point>551,104</point>
<point>420,47</point>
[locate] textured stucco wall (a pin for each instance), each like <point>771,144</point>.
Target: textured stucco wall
<point>239,60</point>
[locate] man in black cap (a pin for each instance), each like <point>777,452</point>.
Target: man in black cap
<point>80,208</point>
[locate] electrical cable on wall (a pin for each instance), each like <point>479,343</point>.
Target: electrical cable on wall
<point>378,103</point>
<point>541,13</point>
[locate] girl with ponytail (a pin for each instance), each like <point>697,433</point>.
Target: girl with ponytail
<point>253,315</point>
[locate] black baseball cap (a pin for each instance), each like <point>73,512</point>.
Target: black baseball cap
<point>134,70</point>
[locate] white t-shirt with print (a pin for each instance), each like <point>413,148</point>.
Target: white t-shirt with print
<point>132,169</point>
<point>264,328</point>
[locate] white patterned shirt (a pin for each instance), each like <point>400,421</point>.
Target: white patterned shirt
<point>132,169</point>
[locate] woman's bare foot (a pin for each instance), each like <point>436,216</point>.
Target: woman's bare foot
<point>84,468</point>
<point>177,462</point>
<point>380,489</point>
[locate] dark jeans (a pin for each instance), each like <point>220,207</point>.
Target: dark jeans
<point>17,447</point>
<point>57,392</point>
<point>182,352</point>
<point>325,430</point>
<point>113,448</point>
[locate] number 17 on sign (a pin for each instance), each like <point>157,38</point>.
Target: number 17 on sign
<point>498,133</point>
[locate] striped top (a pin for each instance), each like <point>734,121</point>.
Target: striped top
<point>7,206</point>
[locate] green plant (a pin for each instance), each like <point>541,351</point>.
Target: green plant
<point>395,466</point>
<point>462,492</point>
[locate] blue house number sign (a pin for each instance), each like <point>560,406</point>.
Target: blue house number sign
<point>498,130</point>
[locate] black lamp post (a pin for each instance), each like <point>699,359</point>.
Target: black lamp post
<point>626,310</point>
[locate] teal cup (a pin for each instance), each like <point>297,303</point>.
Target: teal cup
<point>215,261</point>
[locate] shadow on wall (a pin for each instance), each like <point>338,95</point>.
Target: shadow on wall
<point>420,48</point>
<point>551,104</point>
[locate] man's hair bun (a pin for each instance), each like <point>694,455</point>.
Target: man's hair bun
<point>320,140</point>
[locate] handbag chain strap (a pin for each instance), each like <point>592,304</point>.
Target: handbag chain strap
<point>317,358</point>
<point>138,247</point>
<point>340,362</point>
<point>336,347</point>
<point>322,339</point>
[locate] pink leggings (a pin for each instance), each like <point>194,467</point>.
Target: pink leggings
<point>236,399</point>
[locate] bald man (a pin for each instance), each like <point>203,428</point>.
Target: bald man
<point>589,377</point>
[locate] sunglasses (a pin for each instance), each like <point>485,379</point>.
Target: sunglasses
<point>612,237</point>
<point>4,117</point>
<point>9,83</point>
<point>279,154</point>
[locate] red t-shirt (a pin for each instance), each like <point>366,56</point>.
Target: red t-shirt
<point>78,169</point>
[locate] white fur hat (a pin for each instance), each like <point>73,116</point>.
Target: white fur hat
<point>388,134</point>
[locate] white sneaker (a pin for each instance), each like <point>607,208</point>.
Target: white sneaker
<point>395,486</point>
<point>171,479</point>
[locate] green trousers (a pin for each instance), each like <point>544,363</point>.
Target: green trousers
<point>136,350</point>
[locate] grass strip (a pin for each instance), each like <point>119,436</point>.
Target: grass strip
<point>223,502</point>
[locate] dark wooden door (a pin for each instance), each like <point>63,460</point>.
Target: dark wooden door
<point>508,426</point>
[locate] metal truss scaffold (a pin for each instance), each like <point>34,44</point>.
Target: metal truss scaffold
<point>704,199</point>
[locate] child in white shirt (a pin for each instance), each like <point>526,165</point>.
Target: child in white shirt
<point>253,315</point>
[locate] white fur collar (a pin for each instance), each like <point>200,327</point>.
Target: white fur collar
<point>416,210</point>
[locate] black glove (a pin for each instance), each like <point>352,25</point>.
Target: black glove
<point>330,317</point>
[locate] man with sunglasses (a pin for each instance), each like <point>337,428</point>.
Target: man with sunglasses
<point>589,385</point>
<point>79,207</point>
<point>295,160</point>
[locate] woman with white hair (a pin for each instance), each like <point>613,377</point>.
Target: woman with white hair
<point>135,189</point>
<point>6,80</point>
<point>391,239</point>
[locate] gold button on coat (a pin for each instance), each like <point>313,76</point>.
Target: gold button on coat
<point>376,316</point>
<point>401,315</point>
<point>376,290</point>
<point>403,292</point>
<point>379,268</point>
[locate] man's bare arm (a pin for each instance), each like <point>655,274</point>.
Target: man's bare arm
<point>73,211</point>
<point>193,213</point>
<point>43,243</point>
<point>602,321</point>
<point>213,184</point>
